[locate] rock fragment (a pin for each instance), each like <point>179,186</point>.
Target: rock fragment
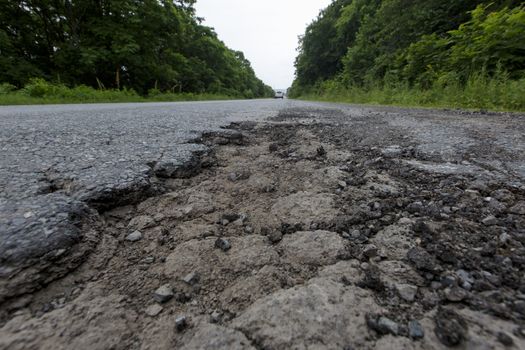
<point>181,323</point>
<point>223,244</point>
<point>370,251</point>
<point>153,310</point>
<point>455,294</point>
<point>134,236</point>
<point>518,209</point>
<point>392,151</point>
<point>407,292</point>
<point>275,236</point>
<point>372,279</point>
<point>504,238</point>
<point>141,222</point>
<point>415,330</point>
<point>163,294</point>
<point>421,259</point>
<point>503,195</point>
<point>215,317</point>
<point>381,324</point>
<point>192,278</point>
<point>490,221</point>
<point>451,329</point>
<point>505,339</point>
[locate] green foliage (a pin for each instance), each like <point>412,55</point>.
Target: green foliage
<point>430,46</point>
<point>479,92</point>
<point>6,88</point>
<point>115,44</point>
<point>39,91</point>
<point>490,39</point>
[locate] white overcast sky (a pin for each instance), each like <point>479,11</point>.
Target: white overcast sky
<point>265,30</point>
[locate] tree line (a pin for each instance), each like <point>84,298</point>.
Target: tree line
<point>364,43</point>
<point>146,45</point>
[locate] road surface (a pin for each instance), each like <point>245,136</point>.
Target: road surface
<point>396,213</point>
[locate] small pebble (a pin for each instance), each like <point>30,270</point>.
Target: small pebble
<point>223,244</point>
<point>407,292</point>
<point>369,251</point>
<point>191,278</point>
<point>455,294</point>
<point>505,339</point>
<point>181,323</point>
<point>415,330</point>
<point>215,317</point>
<point>163,294</point>
<point>386,326</point>
<point>148,260</point>
<point>154,310</point>
<point>275,236</point>
<point>504,238</point>
<point>134,236</point>
<point>490,220</point>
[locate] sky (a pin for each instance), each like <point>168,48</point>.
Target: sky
<point>265,30</point>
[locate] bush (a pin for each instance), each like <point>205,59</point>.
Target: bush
<point>6,88</point>
<point>38,87</point>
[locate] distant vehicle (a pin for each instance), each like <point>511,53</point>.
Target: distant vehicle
<point>279,94</point>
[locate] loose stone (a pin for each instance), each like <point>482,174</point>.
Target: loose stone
<point>407,292</point>
<point>181,323</point>
<point>386,326</point>
<point>215,317</point>
<point>163,294</point>
<point>490,220</point>
<point>451,329</point>
<point>134,236</point>
<point>223,244</point>
<point>369,251</point>
<point>518,209</point>
<point>191,278</point>
<point>504,238</point>
<point>154,310</point>
<point>505,339</point>
<point>455,294</point>
<point>275,236</point>
<point>415,330</point>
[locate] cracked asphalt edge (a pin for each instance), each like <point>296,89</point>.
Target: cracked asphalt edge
<point>44,237</point>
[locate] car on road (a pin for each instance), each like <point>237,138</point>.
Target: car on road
<point>279,94</point>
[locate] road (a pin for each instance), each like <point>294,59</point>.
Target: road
<point>76,180</point>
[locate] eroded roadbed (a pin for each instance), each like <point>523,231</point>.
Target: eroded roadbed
<point>299,235</point>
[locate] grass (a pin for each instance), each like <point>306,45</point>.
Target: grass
<point>39,91</point>
<point>479,92</point>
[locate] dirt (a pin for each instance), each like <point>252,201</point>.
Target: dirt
<point>299,235</point>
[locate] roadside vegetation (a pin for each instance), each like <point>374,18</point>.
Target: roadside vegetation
<point>458,54</point>
<point>116,50</point>
<point>39,91</point>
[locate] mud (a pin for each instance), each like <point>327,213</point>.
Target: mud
<point>297,234</point>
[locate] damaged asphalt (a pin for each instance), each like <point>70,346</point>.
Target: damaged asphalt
<point>413,219</point>
<point>60,162</point>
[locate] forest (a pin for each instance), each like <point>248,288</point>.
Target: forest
<point>454,53</point>
<point>146,47</point>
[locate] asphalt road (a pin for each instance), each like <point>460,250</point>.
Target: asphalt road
<point>55,159</point>
<point>59,163</point>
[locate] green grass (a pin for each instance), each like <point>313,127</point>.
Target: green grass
<point>39,91</point>
<point>480,92</point>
